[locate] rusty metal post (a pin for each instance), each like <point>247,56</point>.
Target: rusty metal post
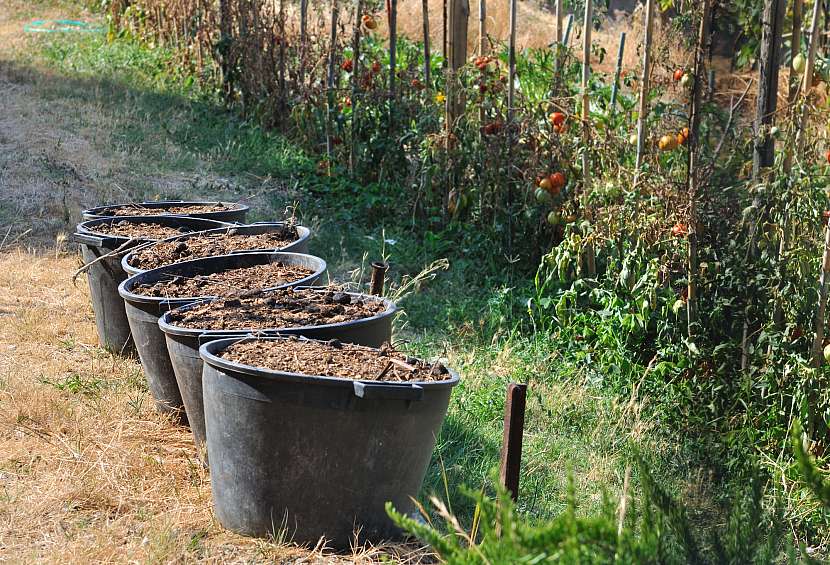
<point>511,448</point>
<point>379,269</point>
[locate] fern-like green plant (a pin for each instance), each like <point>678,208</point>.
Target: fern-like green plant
<point>655,529</point>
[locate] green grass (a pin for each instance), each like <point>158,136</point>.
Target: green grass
<point>474,313</point>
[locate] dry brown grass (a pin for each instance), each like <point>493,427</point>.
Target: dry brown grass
<point>89,472</point>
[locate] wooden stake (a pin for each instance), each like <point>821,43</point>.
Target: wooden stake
<point>818,341</point>
<point>303,37</point>
<point>557,45</point>
<point>283,96</point>
<point>693,176</point>
<point>511,447</point>
<point>617,71</point>
<point>393,54</point>
<point>427,55</point>
<point>459,14</point>
<point>358,15</point>
<point>795,46</point>
<point>588,26</point>
<point>808,76</point>
<point>445,25</point>
<point>330,80</point>
<point>482,28</point>
<point>644,88</point>
<point>511,65</point>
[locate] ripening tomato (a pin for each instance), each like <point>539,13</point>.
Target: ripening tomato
<point>347,65</point>
<point>557,182</point>
<point>678,74</point>
<point>678,229</point>
<point>376,67</point>
<point>557,118</point>
<point>827,156</point>
<point>545,183</point>
<point>369,21</point>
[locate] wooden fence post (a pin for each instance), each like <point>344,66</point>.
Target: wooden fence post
<point>763,153</point>
<point>693,174</point>
<point>644,88</point>
<point>511,447</point>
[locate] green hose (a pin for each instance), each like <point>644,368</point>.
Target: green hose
<point>61,26</point>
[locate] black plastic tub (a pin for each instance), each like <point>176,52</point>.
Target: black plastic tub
<point>183,346</point>
<point>105,275</point>
<point>318,456</point>
<point>300,245</point>
<point>143,313</point>
<point>234,213</point>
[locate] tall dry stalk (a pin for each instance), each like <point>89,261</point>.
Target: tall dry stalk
<point>644,87</point>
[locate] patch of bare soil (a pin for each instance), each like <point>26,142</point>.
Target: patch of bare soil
<point>139,230</point>
<point>139,210</point>
<point>334,359</point>
<point>226,282</point>
<point>209,245</point>
<point>288,308</point>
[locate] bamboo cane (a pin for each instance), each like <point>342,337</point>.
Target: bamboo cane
<point>644,87</point>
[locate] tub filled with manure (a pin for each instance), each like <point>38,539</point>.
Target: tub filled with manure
<point>261,237</point>
<point>221,211</point>
<point>316,436</point>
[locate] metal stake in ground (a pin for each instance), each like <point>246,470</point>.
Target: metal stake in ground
<point>511,448</point>
<point>379,269</point>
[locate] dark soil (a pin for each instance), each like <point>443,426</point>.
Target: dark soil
<point>225,283</point>
<point>139,230</point>
<point>286,308</point>
<point>139,210</point>
<point>209,245</point>
<point>333,359</point>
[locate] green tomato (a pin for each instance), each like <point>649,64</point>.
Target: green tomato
<point>686,80</point>
<point>632,139</point>
<point>799,63</point>
<point>554,218</point>
<point>542,196</point>
<point>827,352</point>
